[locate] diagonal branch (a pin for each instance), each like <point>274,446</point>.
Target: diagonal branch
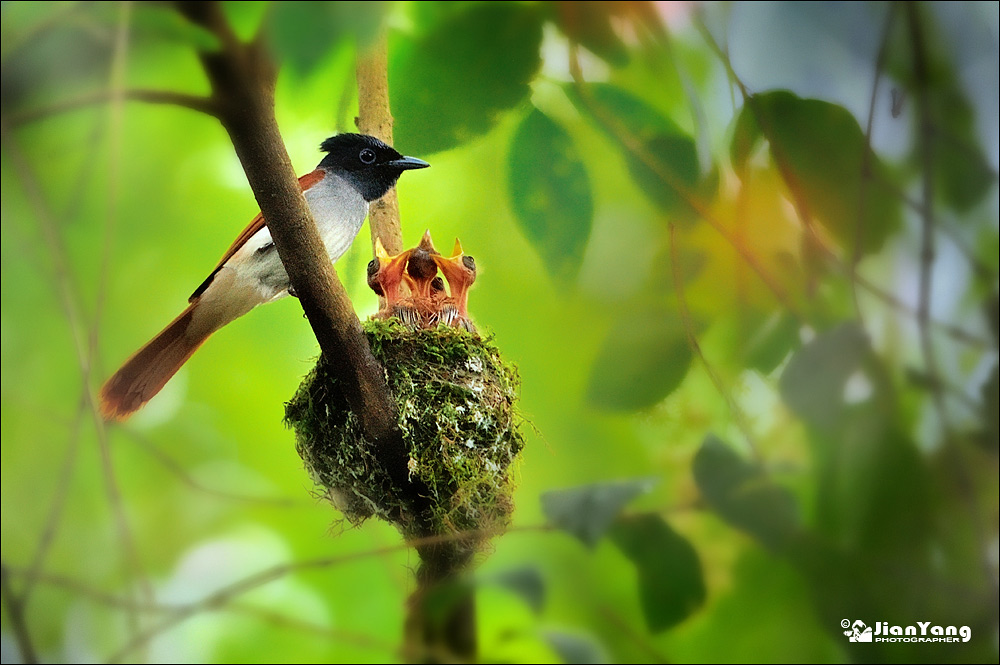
<point>243,77</point>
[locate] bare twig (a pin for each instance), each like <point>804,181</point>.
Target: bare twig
<point>192,102</point>
<point>115,114</point>
<point>268,575</point>
<point>866,160</point>
<point>68,301</point>
<point>926,216</point>
<point>178,470</point>
<point>54,516</point>
<point>922,83</point>
<point>15,612</point>
<point>734,407</point>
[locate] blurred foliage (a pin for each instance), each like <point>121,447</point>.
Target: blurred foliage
<point>803,408</point>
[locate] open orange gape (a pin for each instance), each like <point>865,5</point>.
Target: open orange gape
<point>428,305</point>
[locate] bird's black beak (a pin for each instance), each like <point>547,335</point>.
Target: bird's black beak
<point>407,163</point>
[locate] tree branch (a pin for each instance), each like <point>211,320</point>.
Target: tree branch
<point>243,77</point>
<point>375,118</point>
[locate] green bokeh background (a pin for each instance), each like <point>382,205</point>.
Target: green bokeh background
<point>878,470</point>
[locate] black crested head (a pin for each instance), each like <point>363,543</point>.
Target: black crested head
<point>370,165</point>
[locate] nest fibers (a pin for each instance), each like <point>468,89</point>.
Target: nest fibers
<point>455,399</point>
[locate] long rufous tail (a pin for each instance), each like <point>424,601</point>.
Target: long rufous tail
<point>148,370</point>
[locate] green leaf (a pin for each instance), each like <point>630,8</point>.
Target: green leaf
<point>304,33</point>
<point>667,170</point>
<point>153,21</point>
<point>550,194</point>
<point>746,138</point>
<point>821,148</point>
<point>671,585</point>
<point>768,345</point>
<point>449,84</point>
<point>575,648</point>
<point>645,357</point>
<point>245,16</point>
<point>589,24</point>
<point>744,496</point>
<point>527,583</point>
<point>588,512</point>
<point>813,383</point>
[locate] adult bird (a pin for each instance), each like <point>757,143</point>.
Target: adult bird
<point>356,170</point>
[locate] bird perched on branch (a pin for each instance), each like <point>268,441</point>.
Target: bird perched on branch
<point>357,170</point>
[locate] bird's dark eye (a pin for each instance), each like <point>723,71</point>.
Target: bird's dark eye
<point>367,156</point>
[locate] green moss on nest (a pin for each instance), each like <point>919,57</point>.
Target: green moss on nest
<point>455,400</point>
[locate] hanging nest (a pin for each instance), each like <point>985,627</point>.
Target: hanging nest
<point>455,400</point>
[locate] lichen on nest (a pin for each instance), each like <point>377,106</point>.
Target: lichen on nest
<point>455,401</point>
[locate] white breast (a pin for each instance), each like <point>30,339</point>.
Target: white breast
<point>339,211</point>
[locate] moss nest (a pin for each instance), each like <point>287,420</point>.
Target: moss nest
<point>455,400</point>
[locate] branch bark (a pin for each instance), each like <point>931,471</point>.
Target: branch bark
<point>243,76</point>
<point>375,118</point>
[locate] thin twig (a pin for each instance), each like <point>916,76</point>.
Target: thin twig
<point>67,300</point>
<point>734,408</point>
<point>228,593</point>
<point>866,161</point>
<point>116,110</point>
<point>640,641</point>
<point>15,612</point>
<point>193,102</point>
<point>927,251</point>
<point>174,467</point>
<point>54,516</point>
<point>922,83</point>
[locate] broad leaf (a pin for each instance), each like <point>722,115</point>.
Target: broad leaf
<point>643,359</point>
<point>449,84</point>
<point>671,585</point>
<point>527,583</point>
<point>588,512</point>
<point>768,345</point>
<point>821,148</point>
<point>590,24</point>
<point>743,495</point>
<point>550,194</point>
<point>815,379</point>
<point>665,165</point>
<point>304,33</point>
